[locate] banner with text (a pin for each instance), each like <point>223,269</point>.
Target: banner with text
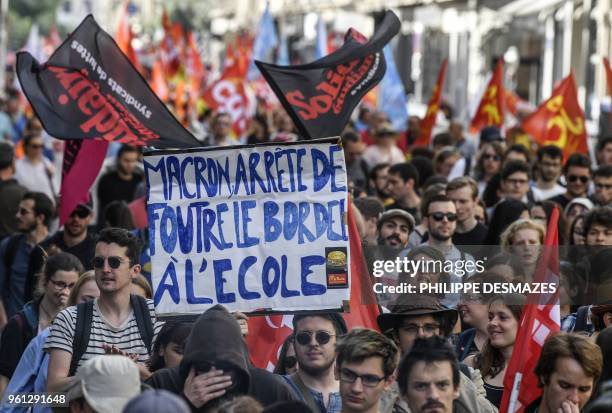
<point>255,228</point>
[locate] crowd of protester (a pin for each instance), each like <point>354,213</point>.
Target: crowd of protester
<point>77,317</point>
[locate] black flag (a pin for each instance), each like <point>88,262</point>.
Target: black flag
<point>88,89</point>
<point>321,95</point>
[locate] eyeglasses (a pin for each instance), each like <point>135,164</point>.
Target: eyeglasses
<point>439,216</point>
<point>113,262</point>
<point>427,328</point>
<point>304,338</point>
<point>290,362</point>
<point>573,178</point>
<point>60,285</point>
<point>517,181</point>
<point>368,380</point>
<point>488,157</point>
<point>80,212</point>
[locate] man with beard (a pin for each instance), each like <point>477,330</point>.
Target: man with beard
<point>550,161</point>
<point>394,228</point>
<point>216,367</point>
<point>568,370</point>
<point>365,363</point>
<point>20,256</point>
<point>428,376</point>
<point>402,185</point>
<point>378,183</point>
<point>441,226</point>
<point>578,176</point>
<point>120,183</point>
<point>75,238</point>
<point>315,339</point>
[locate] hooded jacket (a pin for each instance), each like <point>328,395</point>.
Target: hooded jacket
<point>216,340</point>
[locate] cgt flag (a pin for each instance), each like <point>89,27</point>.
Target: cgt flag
<point>539,319</point>
<point>88,89</point>
<point>560,121</point>
<point>429,121</point>
<point>320,96</point>
<point>490,111</point>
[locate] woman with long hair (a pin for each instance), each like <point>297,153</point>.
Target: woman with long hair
<point>504,316</point>
<point>287,362</point>
<point>488,163</point>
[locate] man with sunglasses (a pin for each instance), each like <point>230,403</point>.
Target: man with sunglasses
<point>441,226</point>
<point>365,363</point>
<point>21,258</point>
<point>550,161</point>
<point>577,177</point>
<point>115,317</point>
<point>75,238</point>
<point>315,340</point>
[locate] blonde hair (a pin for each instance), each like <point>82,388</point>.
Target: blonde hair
<point>505,240</point>
<point>74,293</point>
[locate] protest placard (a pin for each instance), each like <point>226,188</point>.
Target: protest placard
<point>253,227</point>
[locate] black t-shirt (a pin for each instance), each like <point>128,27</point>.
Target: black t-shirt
<point>474,237</point>
<point>560,199</point>
<point>412,211</point>
<point>84,251</point>
<point>112,188</point>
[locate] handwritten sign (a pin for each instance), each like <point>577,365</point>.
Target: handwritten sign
<point>253,228</point>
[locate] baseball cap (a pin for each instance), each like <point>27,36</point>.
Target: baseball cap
<point>106,382</point>
<point>156,401</point>
<point>392,213</point>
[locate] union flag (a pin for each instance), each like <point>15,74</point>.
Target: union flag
<point>429,121</point>
<point>560,121</point>
<point>491,108</point>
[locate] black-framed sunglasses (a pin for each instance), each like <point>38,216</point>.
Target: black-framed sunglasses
<point>113,262</point>
<point>573,178</point>
<point>304,338</point>
<point>368,380</point>
<point>290,362</point>
<point>80,212</point>
<point>489,157</point>
<point>439,216</point>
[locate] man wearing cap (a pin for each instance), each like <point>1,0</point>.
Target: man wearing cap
<point>315,337</point>
<point>420,316</point>
<point>103,384</point>
<point>394,228</point>
<point>385,149</point>
<point>402,184</point>
<point>75,237</point>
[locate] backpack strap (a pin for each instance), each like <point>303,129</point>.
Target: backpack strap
<point>81,334</point>
<point>143,319</point>
<point>305,392</point>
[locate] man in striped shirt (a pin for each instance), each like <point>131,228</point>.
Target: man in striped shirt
<point>114,328</point>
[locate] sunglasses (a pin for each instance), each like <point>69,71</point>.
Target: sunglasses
<point>439,216</point>
<point>491,157</point>
<point>113,262</point>
<point>290,362</point>
<point>80,212</point>
<point>304,338</point>
<point>573,178</point>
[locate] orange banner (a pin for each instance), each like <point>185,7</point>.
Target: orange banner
<point>560,121</point>
<point>491,108</point>
<point>429,121</point>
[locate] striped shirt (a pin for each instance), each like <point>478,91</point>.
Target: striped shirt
<point>126,337</point>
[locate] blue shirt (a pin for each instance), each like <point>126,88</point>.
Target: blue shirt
<point>335,401</point>
<point>30,375</point>
<point>13,280</point>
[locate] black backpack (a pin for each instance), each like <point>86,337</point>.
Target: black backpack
<point>85,318</point>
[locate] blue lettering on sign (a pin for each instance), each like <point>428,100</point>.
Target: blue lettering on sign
<point>270,287</point>
<point>309,288</point>
<point>300,154</point>
<point>286,292</point>
<point>172,287</point>
<point>167,230</point>
<point>174,173</point>
<point>185,230</point>
<point>153,217</point>
<point>321,169</point>
<point>272,226</point>
<point>161,168</point>
<point>242,290</point>
<point>188,160</point>
<point>241,176</point>
<point>219,267</point>
<point>334,188</point>
<point>191,297</point>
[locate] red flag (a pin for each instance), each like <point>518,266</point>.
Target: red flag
<point>491,108</point>
<point>124,37</point>
<point>194,69</point>
<point>429,121</point>
<point>170,48</point>
<point>158,81</point>
<point>267,334</point>
<point>539,319</point>
<point>560,121</point>
<point>83,159</point>
<point>608,74</point>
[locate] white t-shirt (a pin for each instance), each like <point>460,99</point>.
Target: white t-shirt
<point>373,155</point>
<point>542,194</point>
<point>34,176</point>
